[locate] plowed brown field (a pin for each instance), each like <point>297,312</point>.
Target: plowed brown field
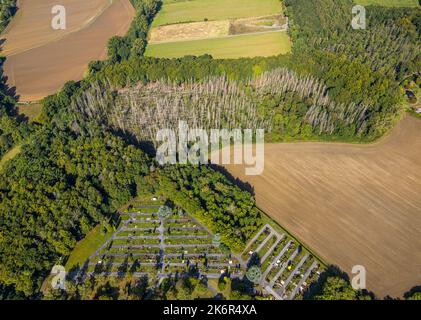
<point>40,60</point>
<point>353,204</point>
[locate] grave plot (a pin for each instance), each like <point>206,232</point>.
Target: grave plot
<point>134,248</point>
<point>287,267</point>
<point>190,245</point>
<point>156,241</point>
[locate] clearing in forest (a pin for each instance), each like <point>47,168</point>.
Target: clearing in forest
<point>39,60</point>
<point>353,204</point>
<point>31,112</point>
<point>234,29</point>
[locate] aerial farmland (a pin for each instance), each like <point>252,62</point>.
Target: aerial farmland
<point>223,29</point>
<point>113,186</point>
<point>41,60</point>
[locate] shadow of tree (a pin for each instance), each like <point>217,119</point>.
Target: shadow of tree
<point>242,285</point>
<point>10,97</point>
<point>238,182</point>
<point>140,289</point>
<point>253,261</point>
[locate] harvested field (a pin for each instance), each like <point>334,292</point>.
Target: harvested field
<point>216,29</point>
<point>189,31</point>
<point>44,69</point>
<point>353,204</point>
<point>31,27</point>
<point>258,24</point>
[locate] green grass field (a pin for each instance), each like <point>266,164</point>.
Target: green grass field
<point>86,247</point>
<point>389,3</point>
<point>198,10</point>
<point>253,45</point>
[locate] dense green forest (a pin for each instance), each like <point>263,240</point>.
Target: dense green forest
<point>366,65</point>
<point>54,192</point>
<point>12,131</point>
<point>207,195</point>
<point>388,44</point>
<point>74,171</point>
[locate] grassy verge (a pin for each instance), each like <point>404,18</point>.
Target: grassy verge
<point>86,247</point>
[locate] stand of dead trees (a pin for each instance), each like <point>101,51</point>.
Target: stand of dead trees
<point>215,103</point>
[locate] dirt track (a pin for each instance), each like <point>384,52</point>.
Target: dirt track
<point>354,205</point>
<point>37,71</point>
